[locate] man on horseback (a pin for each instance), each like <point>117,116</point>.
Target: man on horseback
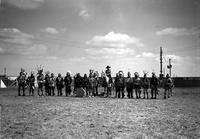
<point>31,84</point>
<point>108,71</point>
<point>21,82</point>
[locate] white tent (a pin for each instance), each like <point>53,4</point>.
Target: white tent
<point>2,85</point>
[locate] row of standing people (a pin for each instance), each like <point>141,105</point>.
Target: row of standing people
<point>90,84</point>
<point>46,83</point>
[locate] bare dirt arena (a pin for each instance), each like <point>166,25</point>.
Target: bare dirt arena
<point>70,117</point>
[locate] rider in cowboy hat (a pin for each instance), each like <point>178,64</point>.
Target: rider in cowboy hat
<point>108,71</point>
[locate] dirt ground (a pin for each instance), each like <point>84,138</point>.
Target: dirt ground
<point>70,117</point>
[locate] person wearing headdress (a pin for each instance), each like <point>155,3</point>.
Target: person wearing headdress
<point>21,79</point>
<point>167,86</point>
<point>59,84</point>
<point>104,82</point>
<point>137,85</point>
<point>96,83</point>
<point>129,85</point>
<point>31,83</point>
<point>86,84</point>
<point>91,80</point>
<point>68,83</point>
<point>52,84</point>
<point>154,82</point>
<point>145,85</point>
<point>40,81</point>
<point>109,86</point>
<point>78,84</point>
<point>121,84</point>
<point>116,83</point>
<point>46,83</point>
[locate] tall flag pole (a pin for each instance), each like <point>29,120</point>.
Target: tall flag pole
<point>161,72</point>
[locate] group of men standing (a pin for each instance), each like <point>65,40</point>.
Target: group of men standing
<point>46,83</point>
<point>111,86</point>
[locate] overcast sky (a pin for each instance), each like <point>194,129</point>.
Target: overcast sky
<point>79,35</point>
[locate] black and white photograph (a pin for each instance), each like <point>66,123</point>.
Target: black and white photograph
<point>99,69</point>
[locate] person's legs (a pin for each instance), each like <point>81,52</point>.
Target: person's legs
<point>58,91</point>
<point>122,92</point>
<point>97,91</point>
<point>139,92</point>
<point>144,92</point>
<point>33,90</point>
<point>66,90</point>
<point>116,92</point>
<point>119,92</point>
<point>155,93</point>
<point>19,88</point>
<point>152,90</point>
<point>128,93</point>
<point>23,89</point>
<point>147,93</point>
<point>136,93</point>
<point>131,93</point>
<point>61,91</point>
